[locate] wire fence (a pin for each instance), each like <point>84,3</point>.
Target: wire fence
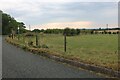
<point>96,48</point>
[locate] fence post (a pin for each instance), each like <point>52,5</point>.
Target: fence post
<point>36,39</point>
<point>65,42</point>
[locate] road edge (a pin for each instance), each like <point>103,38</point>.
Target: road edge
<point>96,69</point>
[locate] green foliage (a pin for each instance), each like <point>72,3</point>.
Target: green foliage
<point>9,24</point>
<point>41,46</point>
<point>29,34</point>
<point>53,31</point>
<point>36,30</point>
<point>24,47</point>
<point>71,32</point>
<point>99,49</point>
<point>92,32</point>
<point>67,31</point>
<point>30,43</point>
<point>44,46</point>
<point>109,32</point>
<point>77,31</point>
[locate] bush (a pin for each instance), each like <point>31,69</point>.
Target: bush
<point>29,35</point>
<point>44,46</point>
<point>105,32</point>
<point>41,46</point>
<point>37,46</point>
<point>92,32</point>
<point>24,47</point>
<point>96,32</point>
<point>30,43</point>
<point>117,32</point>
<point>109,32</point>
<point>114,32</point>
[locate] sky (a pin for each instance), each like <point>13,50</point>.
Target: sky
<point>50,14</point>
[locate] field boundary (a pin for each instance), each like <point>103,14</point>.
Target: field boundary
<point>97,69</point>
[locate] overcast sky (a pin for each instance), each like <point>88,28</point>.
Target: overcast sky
<point>60,14</point>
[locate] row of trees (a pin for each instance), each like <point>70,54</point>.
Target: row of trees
<point>105,32</point>
<point>9,24</point>
<point>67,31</point>
<point>73,32</point>
<point>49,31</point>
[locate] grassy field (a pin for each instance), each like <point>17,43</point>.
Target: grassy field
<point>96,49</point>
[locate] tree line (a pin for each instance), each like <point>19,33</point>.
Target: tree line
<point>9,24</point>
<point>73,32</point>
<point>67,31</point>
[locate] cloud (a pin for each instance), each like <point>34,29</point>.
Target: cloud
<point>49,12</point>
<point>110,12</point>
<point>62,25</point>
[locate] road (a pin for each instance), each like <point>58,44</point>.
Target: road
<point>17,63</point>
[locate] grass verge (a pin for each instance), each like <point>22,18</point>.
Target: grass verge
<point>85,59</point>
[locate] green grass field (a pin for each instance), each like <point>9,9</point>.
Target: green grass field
<point>96,49</point>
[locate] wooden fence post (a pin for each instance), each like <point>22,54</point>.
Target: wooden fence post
<point>36,39</point>
<point>65,42</point>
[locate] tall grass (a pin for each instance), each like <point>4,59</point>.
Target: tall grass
<point>97,49</point>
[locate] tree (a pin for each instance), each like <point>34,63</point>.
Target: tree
<point>42,30</point>
<point>109,32</point>
<point>77,31</point>
<point>67,31</point>
<point>36,30</point>
<point>73,32</point>
<point>92,31</point>
<point>9,24</point>
<point>5,23</point>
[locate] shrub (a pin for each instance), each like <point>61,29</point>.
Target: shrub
<point>109,32</point>
<point>24,47</point>
<point>37,46</point>
<point>44,46</point>
<point>41,46</point>
<point>105,32</point>
<point>114,32</point>
<point>29,34</point>
<point>30,43</point>
<point>102,32</point>
<point>117,32</point>
<point>92,32</point>
<point>96,32</point>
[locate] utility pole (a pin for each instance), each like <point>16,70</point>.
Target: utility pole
<point>107,26</point>
<point>36,39</point>
<point>29,28</point>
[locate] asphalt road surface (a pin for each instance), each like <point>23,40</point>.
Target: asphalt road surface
<point>17,63</point>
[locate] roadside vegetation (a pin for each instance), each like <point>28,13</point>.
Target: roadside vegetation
<point>97,49</point>
<point>92,46</point>
<point>10,25</point>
